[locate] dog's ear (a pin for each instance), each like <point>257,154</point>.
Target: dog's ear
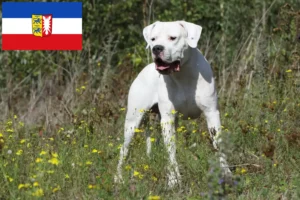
<point>146,32</point>
<point>193,31</point>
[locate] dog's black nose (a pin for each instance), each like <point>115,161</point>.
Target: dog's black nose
<point>157,49</point>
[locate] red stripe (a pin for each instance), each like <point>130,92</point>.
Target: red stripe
<point>31,42</point>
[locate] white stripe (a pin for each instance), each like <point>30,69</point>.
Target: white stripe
<point>23,26</point>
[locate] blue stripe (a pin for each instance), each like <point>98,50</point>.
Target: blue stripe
<point>57,9</point>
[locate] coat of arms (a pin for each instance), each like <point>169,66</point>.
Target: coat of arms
<point>42,25</point>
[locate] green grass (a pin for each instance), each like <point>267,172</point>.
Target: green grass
<point>78,160</point>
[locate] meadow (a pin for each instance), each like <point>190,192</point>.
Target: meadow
<point>62,118</point>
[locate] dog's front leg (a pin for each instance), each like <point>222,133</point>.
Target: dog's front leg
<point>168,132</point>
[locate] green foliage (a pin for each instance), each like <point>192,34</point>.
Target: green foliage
<point>71,106</point>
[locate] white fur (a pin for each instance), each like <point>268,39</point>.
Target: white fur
<point>189,91</point>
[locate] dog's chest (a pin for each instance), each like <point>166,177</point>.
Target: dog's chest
<point>184,96</point>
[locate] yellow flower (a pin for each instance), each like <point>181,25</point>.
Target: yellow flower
<point>243,171</point>
<point>9,178</point>
<point>142,110</point>
<point>88,162</point>
<point>154,198</point>
<point>94,151</point>
<point>36,184</point>
<point>9,130</point>
<point>128,167</point>
<point>21,124</point>
<point>86,146</point>
<point>54,161</point>
<point>152,139</point>
<point>288,71</point>
<point>275,164</point>
<point>83,87</point>
<point>51,139</point>
<point>194,131</point>
<point>136,173</point>
<point>38,193</point>
<point>54,155</point>
<point>56,189</point>
<point>15,117</point>
<point>120,146</point>
<point>22,141</point>
<point>1,135</point>
<point>43,153</point>
<point>136,130</point>
<point>154,178</point>
<point>173,112</point>
<point>181,129</point>
<point>203,133</point>
<point>67,176</point>
<point>90,186</point>
<point>122,109</point>
<point>146,167</point>
<point>26,185</point>
<point>19,152</point>
<point>38,160</point>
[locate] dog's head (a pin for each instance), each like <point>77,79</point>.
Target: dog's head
<point>168,42</point>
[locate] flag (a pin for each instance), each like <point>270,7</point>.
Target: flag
<point>41,26</point>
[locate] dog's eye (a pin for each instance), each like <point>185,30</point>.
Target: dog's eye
<point>152,39</point>
<point>173,38</point>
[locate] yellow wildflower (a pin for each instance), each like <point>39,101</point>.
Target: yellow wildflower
<point>128,167</point>
<point>243,171</point>
<point>22,141</point>
<point>88,162</point>
<point>136,130</point>
<point>146,167</point>
<point>152,139</point>
<point>288,71</point>
<point>122,109</point>
<point>36,184</point>
<point>38,160</point>
<point>43,153</point>
<point>54,161</point>
<point>90,186</point>
<point>67,176</point>
<point>26,185</point>
<point>56,189</point>
<point>38,193</point>
<point>154,178</point>
<point>136,173</point>
<point>173,112</point>
<point>19,152</point>
<point>54,155</point>
<point>154,198</point>
<point>94,151</point>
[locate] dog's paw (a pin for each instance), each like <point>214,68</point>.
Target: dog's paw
<point>118,179</point>
<point>173,180</point>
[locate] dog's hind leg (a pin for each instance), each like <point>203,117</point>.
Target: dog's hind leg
<point>139,101</point>
<point>214,127</point>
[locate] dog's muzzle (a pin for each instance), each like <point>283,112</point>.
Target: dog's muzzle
<point>166,68</point>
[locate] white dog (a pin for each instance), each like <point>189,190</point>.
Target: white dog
<point>181,80</point>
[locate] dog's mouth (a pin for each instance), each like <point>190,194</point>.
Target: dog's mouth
<point>166,68</point>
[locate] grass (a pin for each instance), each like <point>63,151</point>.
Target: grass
<point>76,157</point>
<point>78,160</point>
